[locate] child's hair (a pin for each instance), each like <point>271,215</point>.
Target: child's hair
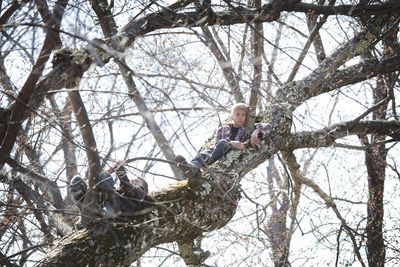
<point>138,181</point>
<point>240,105</point>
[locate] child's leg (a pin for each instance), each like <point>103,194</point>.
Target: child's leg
<point>222,147</point>
<point>201,159</point>
<point>105,181</point>
<point>198,162</point>
<point>105,186</point>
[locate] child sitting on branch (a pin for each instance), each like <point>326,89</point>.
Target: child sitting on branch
<point>228,137</point>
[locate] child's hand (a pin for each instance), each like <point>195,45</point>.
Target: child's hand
<point>254,138</point>
<point>237,145</point>
<point>117,165</point>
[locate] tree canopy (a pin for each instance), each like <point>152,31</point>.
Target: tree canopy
<point>85,84</point>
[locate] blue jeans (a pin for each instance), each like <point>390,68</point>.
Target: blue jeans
<point>105,181</point>
<point>210,156</point>
<point>110,199</point>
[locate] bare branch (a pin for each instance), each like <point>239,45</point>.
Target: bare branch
<point>67,145</point>
<point>18,113</point>
<point>33,197</point>
<point>149,118</point>
<point>10,11</point>
<point>303,53</point>
<point>54,192</point>
<point>318,45</point>
<point>258,51</point>
<point>87,135</point>
<point>225,64</point>
<point>294,169</point>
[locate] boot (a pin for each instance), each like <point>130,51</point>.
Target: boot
<point>186,168</point>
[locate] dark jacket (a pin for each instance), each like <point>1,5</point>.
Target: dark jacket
<point>130,197</point>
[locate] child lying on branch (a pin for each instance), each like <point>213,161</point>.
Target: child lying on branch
<point>124,201</point>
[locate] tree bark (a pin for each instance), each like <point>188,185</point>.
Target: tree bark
<point>178,214</point>
<point>375,159</point>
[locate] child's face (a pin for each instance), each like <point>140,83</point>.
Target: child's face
<point>239,117</point>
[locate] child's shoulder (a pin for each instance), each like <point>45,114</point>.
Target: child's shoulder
<point>225,127</point>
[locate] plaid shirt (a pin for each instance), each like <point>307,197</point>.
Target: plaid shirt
<point>225,132</point>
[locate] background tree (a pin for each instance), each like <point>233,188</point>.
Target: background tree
<point>145,81</point>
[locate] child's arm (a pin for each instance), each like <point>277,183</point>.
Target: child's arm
<point>237,144</point>
<point>221,132</point>
<point>254,138</point>
<point>125,184</point>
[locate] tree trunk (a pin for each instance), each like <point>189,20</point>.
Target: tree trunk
<point>376,157</point>
<point>376,165</point>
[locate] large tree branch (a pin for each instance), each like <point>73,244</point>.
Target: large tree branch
<point>327,136</point>
<point>258,51</point>
<point>289,97</point>
<point>47,18</point>
<point>87,135</point>
<point>390,7</point>
<point>105,17</point>
<point>297,92</point>
<point>177,214</point>
<point>91,206</point>
<point>269,12</point>
<point>360,72</point>
<point>278,234</point>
